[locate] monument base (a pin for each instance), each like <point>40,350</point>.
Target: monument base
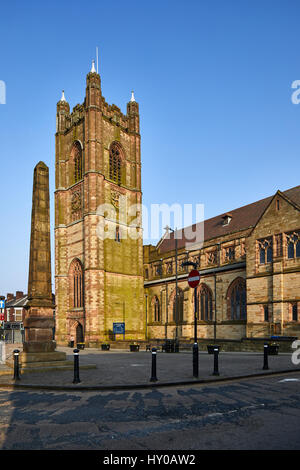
<point>31,357</point>
<point>40,352</point>
<point>39,347</point>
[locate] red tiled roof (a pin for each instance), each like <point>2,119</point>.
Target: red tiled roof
<point>242,218</point>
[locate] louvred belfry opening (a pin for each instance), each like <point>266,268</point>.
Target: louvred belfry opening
<point>115,164</point>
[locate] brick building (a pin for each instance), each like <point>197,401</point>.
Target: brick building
<point>12,328</point>
<point>98,281</point>
<point>250,275</point>
<point>14,312</point>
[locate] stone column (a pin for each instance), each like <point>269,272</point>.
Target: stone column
<point>39,320</point>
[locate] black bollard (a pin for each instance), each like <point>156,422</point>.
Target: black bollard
<point>216,361</point>
<point>76,367</point>
<point>266,352</point>
<point>153,372</point>
<point>16,365</point>
<point>195,360</point>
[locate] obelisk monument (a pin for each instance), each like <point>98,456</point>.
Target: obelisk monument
<point>39,345</point>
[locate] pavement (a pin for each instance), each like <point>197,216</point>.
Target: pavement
<point>119,369</point>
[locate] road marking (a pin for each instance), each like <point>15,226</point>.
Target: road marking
<point>212,415</point>
<point>289,380</point>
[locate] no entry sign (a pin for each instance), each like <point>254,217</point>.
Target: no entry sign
<point>194,278</point>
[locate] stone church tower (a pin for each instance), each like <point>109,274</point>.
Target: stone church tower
<point>98,249</point>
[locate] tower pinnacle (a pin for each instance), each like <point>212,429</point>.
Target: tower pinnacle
<point>93,70</point>
<point>132,96</point>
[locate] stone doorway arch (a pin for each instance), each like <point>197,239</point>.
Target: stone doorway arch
<point>76,332</point>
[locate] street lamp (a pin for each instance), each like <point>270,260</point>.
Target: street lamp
<point>168,229</point>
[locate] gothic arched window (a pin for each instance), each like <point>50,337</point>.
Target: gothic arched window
<point>115,163</point>
<point>293,245</point>
<point>76,284</point>
<point>205,309</point>
<point>236,300</point>
<point>178,312</point>
<point>156,309</point>
<point>76,154</point>
<point>265,251</point>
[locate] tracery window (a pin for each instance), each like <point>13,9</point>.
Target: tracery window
<point>204,307</point>
<point>265,250</point>
<point>178,312</point>
<point>236,297</point>
<point>77,159</point>
<point>212,257</point>
<point>293,245</point>
<point>115,163</point>
<point>169,267</point>
<point>156,309</point>
<point>76,284</point>
<point>229,254</point>
<point>158,270</point>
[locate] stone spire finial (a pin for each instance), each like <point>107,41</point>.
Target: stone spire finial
<point>93,70</point>
<point>132,96</point>
<point>63,96</point>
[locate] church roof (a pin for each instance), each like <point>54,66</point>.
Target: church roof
<point>241,219</point>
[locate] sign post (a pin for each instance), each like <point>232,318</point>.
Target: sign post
<point>119,329</point>
<point>193,281</point>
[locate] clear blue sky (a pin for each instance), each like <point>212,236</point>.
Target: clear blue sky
<point>213,81</point>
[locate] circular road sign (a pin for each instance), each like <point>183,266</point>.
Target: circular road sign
<point>194,278</point>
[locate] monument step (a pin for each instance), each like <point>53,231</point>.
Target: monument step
<point>47,366</point>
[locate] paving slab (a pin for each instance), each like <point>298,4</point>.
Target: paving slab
<point>123,369</point>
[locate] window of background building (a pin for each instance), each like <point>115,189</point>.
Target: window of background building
<point>18,314</point>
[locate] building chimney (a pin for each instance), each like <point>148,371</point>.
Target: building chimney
<point>19,294</point>
<point>9,297</point>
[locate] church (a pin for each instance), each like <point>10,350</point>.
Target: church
<point>98,279</point>
<point>249,262</point>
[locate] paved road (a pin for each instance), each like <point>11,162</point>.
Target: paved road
<point>261,413</point>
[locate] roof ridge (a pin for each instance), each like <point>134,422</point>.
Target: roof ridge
<point>243,218</point>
